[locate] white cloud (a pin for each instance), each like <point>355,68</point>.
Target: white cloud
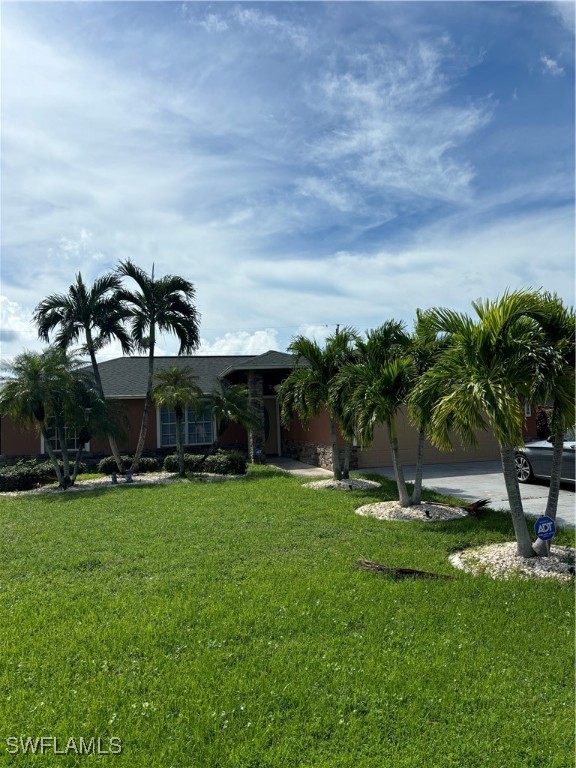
<point>551,67</point>
<point>213,22</point>
<point>252,18</point>
<point>241,343</point>
<point>17,332</point>
<point>392,133</point>
<point>565,10</point>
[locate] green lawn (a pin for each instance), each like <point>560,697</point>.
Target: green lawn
<point>226,625</point>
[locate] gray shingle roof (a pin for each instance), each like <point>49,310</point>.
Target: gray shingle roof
<point>270,360</point>
<point>127,376</point>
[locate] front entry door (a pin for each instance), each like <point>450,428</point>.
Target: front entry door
<point>272,431</point>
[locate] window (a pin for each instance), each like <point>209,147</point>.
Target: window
<point>198,427</point>
<point>72,440</point>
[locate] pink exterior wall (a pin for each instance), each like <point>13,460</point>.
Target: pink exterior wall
<point>318,431</point>
<point>233,435</point>
<point>17,441</point>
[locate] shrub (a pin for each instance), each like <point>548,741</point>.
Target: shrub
<point>149,464</point>
<point>47,470</point>
<point>108,465</point>
<point>227,463</point>
<point>26,475</point>
<point>18,478</point>
<point>221,463</point>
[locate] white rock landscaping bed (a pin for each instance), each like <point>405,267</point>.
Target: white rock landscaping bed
<point>426,512</point>
<point>147,478</point>
<point>500,561</point>
<point>352,484</point>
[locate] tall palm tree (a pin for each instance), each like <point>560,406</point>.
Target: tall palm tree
<point>376,386</point>
<point>176,389</point>
<point>558,324</point>
<point>554,382</point>
<point>425,347</point>
<point>307,389</point>
<point>157,305</point>
<point>93,313</point>
<point>54,386</point>
<point>488,369</point>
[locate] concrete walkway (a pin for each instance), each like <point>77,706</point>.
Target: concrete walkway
<point>297,468</point>
<point>469,480</point>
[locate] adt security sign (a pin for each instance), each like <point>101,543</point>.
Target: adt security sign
<point>545,528</point>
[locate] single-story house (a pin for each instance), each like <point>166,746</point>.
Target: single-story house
<point>124,380</point>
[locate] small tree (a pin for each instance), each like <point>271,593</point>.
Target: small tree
<point>54,385</point>
<point>376,386</point>
<point>176,389</point>
<point>309,386</point>
<point>231,403</point>
<point>425,347</point>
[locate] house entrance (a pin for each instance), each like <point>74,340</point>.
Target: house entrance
<point>271,427</point>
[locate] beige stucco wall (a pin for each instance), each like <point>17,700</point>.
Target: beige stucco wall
<point>378,454</point>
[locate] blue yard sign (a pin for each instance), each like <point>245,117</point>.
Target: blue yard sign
<point>545,528</point>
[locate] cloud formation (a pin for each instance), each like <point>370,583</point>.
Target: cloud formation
<point>551,67</point>
<point>304,165</point>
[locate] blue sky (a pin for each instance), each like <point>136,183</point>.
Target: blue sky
<point>303,164</point>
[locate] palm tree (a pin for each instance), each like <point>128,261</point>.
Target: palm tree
<point>488,369</point>
<point>157,305</point>
<point>558,324</point>
<point>554,382</point>
<point>54,386</point>
<point>96,314</point>
<point>308,387</point>
<point>176,389</point>
<point>376,386</point>
<point>231,403</point>
<point>425,347</point>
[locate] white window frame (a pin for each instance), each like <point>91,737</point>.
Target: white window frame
<point>187,424</point>
<point>57,449</point>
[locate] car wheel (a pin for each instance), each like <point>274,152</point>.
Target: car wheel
<point>524,471</point>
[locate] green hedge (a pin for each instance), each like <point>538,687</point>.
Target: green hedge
<point>219,463</point>
<point>147,464</point>
<point>26,475</point>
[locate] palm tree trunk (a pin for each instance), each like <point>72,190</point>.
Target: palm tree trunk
<point>111,439</point>
<point>76,465</point>
<point>515,502</point>
<point>398,470</point>
<point>51,454</point>
<point>335,451</point>
<point>541,547</point>
<point>417,492</point>
<point>347,454</point>
<point>180,444</point>
<point>147,404</point>
<point>61,434</point>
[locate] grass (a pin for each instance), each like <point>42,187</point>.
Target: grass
<point>226,626</point>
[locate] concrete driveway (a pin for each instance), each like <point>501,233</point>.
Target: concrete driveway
<point>484,480</point>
